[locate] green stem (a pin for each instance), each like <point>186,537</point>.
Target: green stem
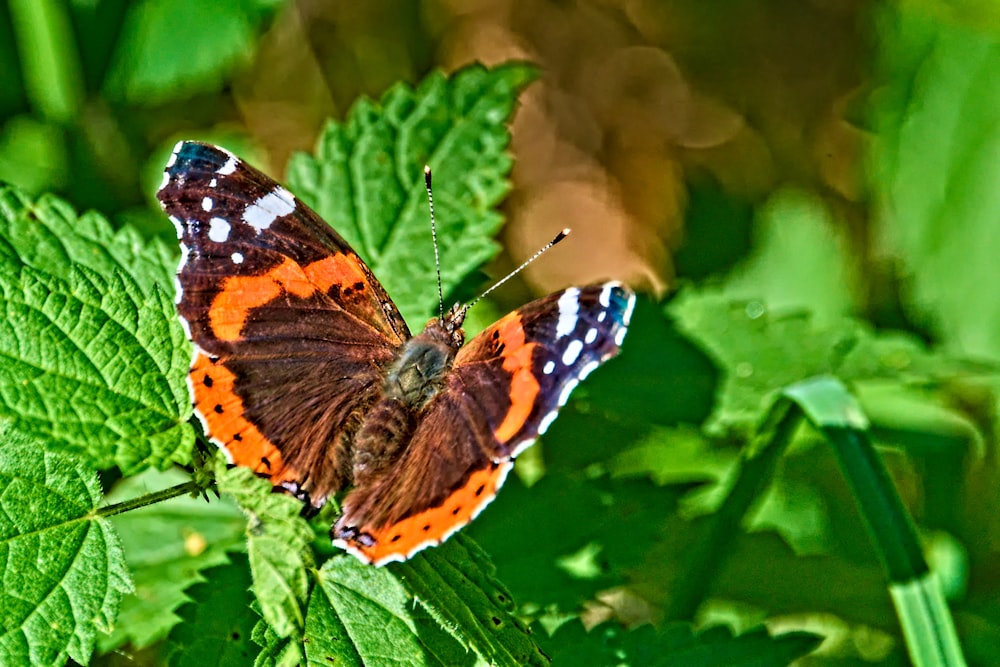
<point>49,58</point>
<point>708,553</point>
<point>149,499</point>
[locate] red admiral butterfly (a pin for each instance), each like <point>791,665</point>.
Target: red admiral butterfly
<point>305,371</point>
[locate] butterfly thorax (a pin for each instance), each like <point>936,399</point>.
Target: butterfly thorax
<point>416,374</point>
<point>411,381</point>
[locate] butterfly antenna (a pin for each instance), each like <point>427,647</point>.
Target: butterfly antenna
<point>434,238</point>
<point>559,237</point>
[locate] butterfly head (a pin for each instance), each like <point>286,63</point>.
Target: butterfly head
<point>449,326</point>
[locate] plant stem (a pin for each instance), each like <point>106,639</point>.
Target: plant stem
<point>149,499</point>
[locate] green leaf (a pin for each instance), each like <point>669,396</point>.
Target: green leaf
<point>167,547</point>
<point>278,546</point>
<point>367,180</point>
<point>456,584</point>
<point>760,352</point>
<point>359,615</point>
<point>218,623</point>
<point>91,363</point>
<point>441,608</point>
<point>64,571</point>
<point>934,171</point>
<point>171,49</point>
<point>798,259</point>
<point>677,645</point>
<point>538,536</point>
<point>91,352</point>
<point>275,651</point>
<point>33,154</point>
<point>48,235</point>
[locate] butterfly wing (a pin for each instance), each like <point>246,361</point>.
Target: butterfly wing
<point>291,329</point>
<point>504,390</point>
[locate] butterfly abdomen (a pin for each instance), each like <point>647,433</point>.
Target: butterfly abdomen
<point>412,380</point>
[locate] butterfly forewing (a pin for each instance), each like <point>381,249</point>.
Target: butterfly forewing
<point>291,329</point>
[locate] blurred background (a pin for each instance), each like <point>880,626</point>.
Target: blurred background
<point>649,118</point>
<point>834,157</point>
<point>668,135</point>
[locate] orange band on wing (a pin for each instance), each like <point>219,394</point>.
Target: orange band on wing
<point>223,412</point>
<point>339,269</point>
<point>523,385</point>
<point>401,540</point>
<point>241,294</point>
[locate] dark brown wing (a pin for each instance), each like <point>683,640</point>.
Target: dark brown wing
<point>504,391</point>
<point>291,329</point>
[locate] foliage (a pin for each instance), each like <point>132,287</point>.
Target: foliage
<point>677,513</point>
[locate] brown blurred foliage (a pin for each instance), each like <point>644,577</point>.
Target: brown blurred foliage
<point>636,97</point>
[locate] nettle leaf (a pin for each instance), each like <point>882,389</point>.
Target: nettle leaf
<point>761,352</point>
<point>89,362</point>
<point>457,586</point>
<point>218,622</point>
<point>275,651</point>
<point>91,353</point>
<point>367,179</point>
<point>558,543</point>
<point>278,546</point>
<point>48,235</point>
<point>63,568</point>
<point>677,644</point>
<point>168,546</point>
<point>442,607</point>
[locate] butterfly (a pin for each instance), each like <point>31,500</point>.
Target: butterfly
<point>305,372</point>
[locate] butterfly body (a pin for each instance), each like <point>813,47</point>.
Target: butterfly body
<point>305,372</point>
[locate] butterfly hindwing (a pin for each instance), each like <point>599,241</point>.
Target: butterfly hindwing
<point>504,390</point>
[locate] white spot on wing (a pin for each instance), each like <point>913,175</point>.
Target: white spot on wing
<point>166,179</point>
<point>569,308</point>
<point>354,551</point>
<point>620,336</point>
<point>178,295</point>
<point>229,167</point>
<point>572,352</point>
<point>285,196</point>
<point>177,226</point>
<point>269,208</point>
<point>237,257</point>
<point>591,336</point>
<point>546,422</point>
<point>567,390</point>
<point>218,230</point>
<point>627,316</point>
<point>212,183</point>
<point>603,315</point>
<point>173,155</point>
<point>178,290</point>
<point>605,297</point>
<point>588,369</point>
<point>206,204</point>
<point>549,367</point>
<point>521,446</point>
